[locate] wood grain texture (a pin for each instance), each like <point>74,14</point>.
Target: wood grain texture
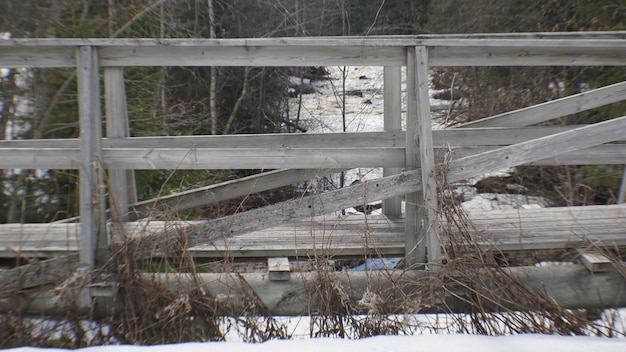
<point>537,149</point>
<point>49,271</point>
<point>355,235</point>
<point>121,182</point>
<point>427,158</point>
<point>585,48</point>
<point>284,212</point>
<point>213,194</point>
<point>392,123</point>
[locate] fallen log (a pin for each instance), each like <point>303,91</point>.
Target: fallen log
<point>569,286</point>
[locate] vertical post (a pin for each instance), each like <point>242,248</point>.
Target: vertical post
<point>621,197</point>
<point>415,245</point>
<point>90,181</point>
<point>392,207</point>
<point>420,152</point>
<point>122,182</point>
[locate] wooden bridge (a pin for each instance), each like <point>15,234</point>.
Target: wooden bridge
<point>412,158</point>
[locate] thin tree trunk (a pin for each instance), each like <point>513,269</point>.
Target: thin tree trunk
<point>244,91</point>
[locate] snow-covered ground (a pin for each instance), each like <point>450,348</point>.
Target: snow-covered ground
<point>429,343</point>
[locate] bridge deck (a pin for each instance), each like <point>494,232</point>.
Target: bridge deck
<point>356,235</point>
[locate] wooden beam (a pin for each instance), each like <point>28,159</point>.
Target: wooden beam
<point>251,56</point>
<point>605,154</point>
<point>595,262</point>
<point>537,149</point>
<point>66,158</point>
<point>278,269</point>
<point>367,191</point>
<point>91,198</point>
<point>37,274</point>
<point>301,158</point>
<point>555,108</point>
<point>48,56</point>
<point>121,182</point>
<point>525,53</point>
<point>538,39</point>
<point>415,243</point>
<point>569,286</point>
<point>272,140</point>
<point>392,207</point>
<point>587,48</point>
<point>213,194</point>
<point>427,158</point>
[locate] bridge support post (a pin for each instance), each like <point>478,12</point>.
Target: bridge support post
<point>392,207</point>
<point>422,228</point>
<point>122,182</point>
<point>92,211</point>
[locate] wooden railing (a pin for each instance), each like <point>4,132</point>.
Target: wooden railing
<point>487,145</point>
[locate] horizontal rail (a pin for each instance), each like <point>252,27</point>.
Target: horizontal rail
<point>301,158</point>
<point>305,154</point>
<point>606,154</point>
<point>207,158</point>
<point>537,149</point>
<point>529,50</point>
<point>454,137</point>
<point>555,108</point>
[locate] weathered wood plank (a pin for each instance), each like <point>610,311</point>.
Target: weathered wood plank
<point>61,158</point>
<point>535,54</point>
<point>445,137</point>
<point>213,194</point>
<point>415,243</point>
<point>90,121</point>
<point>392,123</point>
<point>49,56</point>
<point>37,274</point>
<point>595,262</point>
<point>213,158</point>
<point>251,56</point>
<point>273,215</point>
<point>510,230</point>
<point>301,158</point>
<point>551,39</point>
<point>537,149</point>
<point>427,157</point>
<point>555,108</point>
<point>122,182</point>
<point>532,49</point>
<point>273,140</point>
<point>278,269</point>
<point>605,154</point>
<point>459,136</point>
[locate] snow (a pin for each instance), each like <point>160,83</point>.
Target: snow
<point>430,343</point>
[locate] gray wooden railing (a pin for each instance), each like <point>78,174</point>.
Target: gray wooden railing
<point>487,145</point>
